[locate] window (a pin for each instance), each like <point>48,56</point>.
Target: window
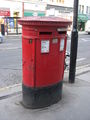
<point>60,1</point>
<point>82,9</point>
<point>87,9</point>
<point>79,10</point>
<point>51,0</point>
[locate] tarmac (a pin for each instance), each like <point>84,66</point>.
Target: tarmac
<point>74,105</point>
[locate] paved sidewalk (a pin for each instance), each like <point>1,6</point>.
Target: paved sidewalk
<point>82,32</point>
<point>75,103</point>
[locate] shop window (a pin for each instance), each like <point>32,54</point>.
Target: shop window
<point>16,14</point>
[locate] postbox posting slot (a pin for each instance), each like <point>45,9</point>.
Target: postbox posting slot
<point>62,32</point>
<point>45,33</point>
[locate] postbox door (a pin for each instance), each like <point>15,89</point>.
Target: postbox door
<point>49,62</point>
<point>28,56</point>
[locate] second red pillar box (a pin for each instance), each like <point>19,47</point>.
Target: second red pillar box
<point>43,53</point>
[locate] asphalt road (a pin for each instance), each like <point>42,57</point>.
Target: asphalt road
<point>11,58</point>
<point>10,61</point>
<point>83,55</point>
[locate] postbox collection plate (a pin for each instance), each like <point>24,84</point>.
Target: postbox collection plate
<point>62,42</point>
<point>45,46</point>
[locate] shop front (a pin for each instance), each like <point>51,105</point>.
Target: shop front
<point>35,8</point>
<point>12,24</point>
<point>33,13</point>
<point>4,12</point>
<point>82,19</point>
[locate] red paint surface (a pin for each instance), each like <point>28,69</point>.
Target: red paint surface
<point>42,69</point>
<point>49,66</point>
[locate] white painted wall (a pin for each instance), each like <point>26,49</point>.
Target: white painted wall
<point>85,3</point>
<point>35,6</point>
<point>69,3</point>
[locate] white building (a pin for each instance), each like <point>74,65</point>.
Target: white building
<point>34,8</point>
<point>64,8</point>
<point>83,13</point>
<point>60,8</point>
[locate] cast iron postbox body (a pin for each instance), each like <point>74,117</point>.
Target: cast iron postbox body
<point>43,53</point>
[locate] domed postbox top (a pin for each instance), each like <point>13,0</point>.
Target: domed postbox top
<point>49,21</point>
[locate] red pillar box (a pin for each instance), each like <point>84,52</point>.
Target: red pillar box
<point>43,54</point>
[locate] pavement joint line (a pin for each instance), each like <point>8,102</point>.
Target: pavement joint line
<point>10,68</point>
<point>80,67</point>
<point>10,48</point>
<point>83,80</point>
<point>80,59</point>
<point>10,95</point>
<point>85,40</point>
<point>11,86</point>
<point>82,72</point>
<point>13,35</point>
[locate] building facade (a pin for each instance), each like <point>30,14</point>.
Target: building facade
<point>83,14</point>
<point>9,13</point>
<point>62,8</point>
<point>34,8</point>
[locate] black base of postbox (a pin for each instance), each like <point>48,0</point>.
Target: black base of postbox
<point>41,97</point>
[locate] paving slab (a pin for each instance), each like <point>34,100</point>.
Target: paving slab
<point>10,77</point>
<point>85,77</point>
<point>75,105</point>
